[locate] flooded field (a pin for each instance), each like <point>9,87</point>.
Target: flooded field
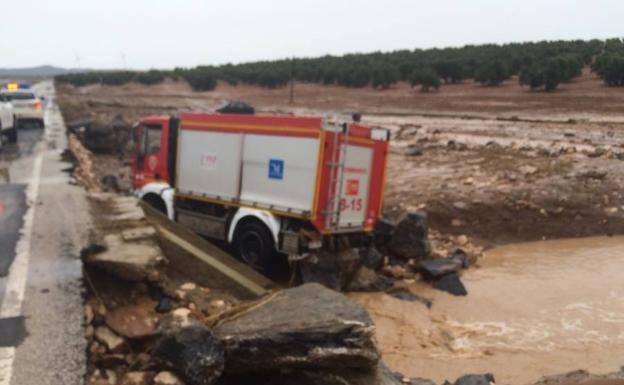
<point>533,309</point>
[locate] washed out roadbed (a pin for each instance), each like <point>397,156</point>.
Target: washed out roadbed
<point>146,325</point>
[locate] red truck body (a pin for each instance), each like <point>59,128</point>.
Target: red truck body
<point>161,165</point>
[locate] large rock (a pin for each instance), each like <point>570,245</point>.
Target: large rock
<point>410,237</point>
<point>382,232</point>
<point>189,349</point>
<point>583,377</point>
<point>405,295</point>
<point>576,377</point>
<point>379,375</point>
<point>104,137</point>
<point>368,280</point>
<point>112,341</point>
<point>129,261</point>
<point>372,258</point>
<point>331,269</point>
<point>135,378</point>
<point>167,378</point>
<point>236,107</point>
<point>436,268</point>
<point>420,381</point>
<point>133,321</point>
<point>476,379</point>
<point>305,327</point>
<point>451,284</point>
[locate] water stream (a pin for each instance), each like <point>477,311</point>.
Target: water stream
<point>533,309</point>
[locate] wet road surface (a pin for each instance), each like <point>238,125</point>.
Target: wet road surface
<point>13,160</point>
<point>45,222</point>
<point>12,209</point>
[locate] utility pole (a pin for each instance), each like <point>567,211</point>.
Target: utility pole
<point>123,60</point>
<point>292,81</point>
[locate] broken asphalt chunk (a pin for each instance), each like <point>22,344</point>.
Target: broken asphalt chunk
<point>305,327</point>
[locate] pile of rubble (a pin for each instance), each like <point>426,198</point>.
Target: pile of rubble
<point>102,136</point>
<point>309,335</point>
<point>101,151</point>
<point>146,327</point>
<point>405,251</point>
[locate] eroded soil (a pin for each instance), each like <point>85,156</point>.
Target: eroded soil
<point>501,165</point>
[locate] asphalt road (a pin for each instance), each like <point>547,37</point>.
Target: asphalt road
<point>44,223</point>
<point>14,161</point>
<point>12,209</point>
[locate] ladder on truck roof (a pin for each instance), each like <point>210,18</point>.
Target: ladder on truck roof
<point>336,173</point>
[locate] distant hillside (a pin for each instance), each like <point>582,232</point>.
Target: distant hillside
<point>40,71</point>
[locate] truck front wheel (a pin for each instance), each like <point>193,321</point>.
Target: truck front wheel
<point>254,244</point>
<point>156,202</point>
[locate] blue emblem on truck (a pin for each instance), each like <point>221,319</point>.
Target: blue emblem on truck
<point>276,169</point>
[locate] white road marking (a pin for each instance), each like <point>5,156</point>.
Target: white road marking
<point>18,274</point>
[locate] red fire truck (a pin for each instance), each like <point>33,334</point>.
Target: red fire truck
<point>263,183</point>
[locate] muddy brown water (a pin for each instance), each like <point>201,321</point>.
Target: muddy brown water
<point>533,309</point>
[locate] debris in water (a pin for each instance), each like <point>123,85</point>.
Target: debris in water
<point>451,284</point>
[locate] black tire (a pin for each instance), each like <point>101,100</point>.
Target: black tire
<point>12,135</point>
<point>156,202</point>
<point>254,244</point>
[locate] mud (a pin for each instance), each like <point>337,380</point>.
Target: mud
<point>533,309</point>
<point>499,164</point>
<point>504,182</point>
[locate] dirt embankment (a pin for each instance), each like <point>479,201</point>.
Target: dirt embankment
<point>500,164</point>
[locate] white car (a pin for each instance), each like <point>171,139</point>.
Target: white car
<point>27,106</point>
<point>8,128</point>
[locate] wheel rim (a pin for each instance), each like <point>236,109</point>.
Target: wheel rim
<point>251,248</point>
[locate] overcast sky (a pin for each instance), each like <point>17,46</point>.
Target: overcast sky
<point>143,34</point>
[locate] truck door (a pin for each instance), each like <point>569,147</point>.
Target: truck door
<point>355,186</point>
<point>150,162</point>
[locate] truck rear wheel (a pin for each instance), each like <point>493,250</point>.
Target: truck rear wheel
<point>254,244</point>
